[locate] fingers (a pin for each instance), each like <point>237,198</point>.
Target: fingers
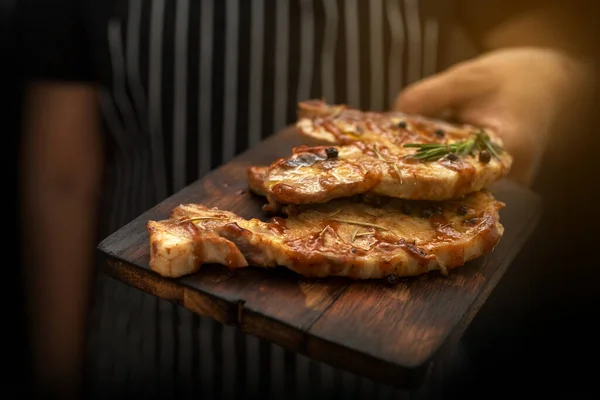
<point>443,92</point>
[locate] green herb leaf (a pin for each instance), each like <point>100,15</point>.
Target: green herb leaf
<point>436,151</point>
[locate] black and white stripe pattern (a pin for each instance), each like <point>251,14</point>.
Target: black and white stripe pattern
<point>206,59</point>
<point>204,108</point>
<point>154,88</point>
<point>195,82</point>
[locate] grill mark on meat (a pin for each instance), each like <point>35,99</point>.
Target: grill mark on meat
<point>372,126</point>
<point>416,252</point>
<point>465,171</point>
<point>356,129</point>
<point>278,225</point>
<point>309,251</point>
<point>487,228</point>
<point>443,228</point>
<point>391,245</point>
<point>332,128</point>
<point>337,238</point>
<point>242,238</point>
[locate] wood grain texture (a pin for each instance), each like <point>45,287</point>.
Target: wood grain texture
<point>389,334</point>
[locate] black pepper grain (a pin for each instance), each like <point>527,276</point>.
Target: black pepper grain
<point>440,133</point>
<point>426,213</point>
<point>452,157</point>
<point>484,156</point>
<point>392,279</point>
<point>353,250</point>
<point>462,210</point>
<point>402,125</point>
<point>332,152</point>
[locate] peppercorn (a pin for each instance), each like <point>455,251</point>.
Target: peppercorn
<point>426,213</point>
<point>392,279</point>
<point>452,157</point>
<point>484,156</point>
<point>332,152</point>
<point>440,133</point>
<point>402,125</point>
<point>462,210</point>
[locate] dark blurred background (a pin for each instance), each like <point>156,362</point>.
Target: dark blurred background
<point>540,323</point>
<point>549,344</point>
<point>11,94</point>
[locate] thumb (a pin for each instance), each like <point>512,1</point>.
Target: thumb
<point>442,93</point>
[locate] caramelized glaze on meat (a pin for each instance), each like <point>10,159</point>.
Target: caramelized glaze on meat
<point>339,124</point>
<point>356,207</point>
<point>370,158</point>
<point>361,238</point>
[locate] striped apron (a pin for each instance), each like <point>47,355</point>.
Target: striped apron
<point>185,86</point>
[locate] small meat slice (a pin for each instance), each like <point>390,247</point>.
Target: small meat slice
<point>367,155</point>
<point>178,249</point>
<point>339,124</point>
<point>360,238</point>
<point>313,175</point>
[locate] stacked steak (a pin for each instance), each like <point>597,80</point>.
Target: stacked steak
<point>386,195</point>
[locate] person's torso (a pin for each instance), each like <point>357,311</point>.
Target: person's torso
<point>188,84</point>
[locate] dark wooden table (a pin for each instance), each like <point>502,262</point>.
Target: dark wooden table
<point>389,334</point>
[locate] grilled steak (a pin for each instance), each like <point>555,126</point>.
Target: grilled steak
<point>339,124</point>
<point>367,154</point>
<point>363,237</point>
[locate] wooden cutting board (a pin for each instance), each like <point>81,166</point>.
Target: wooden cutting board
<point>389,334</point>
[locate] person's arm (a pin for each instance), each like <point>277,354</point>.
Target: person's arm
<point>61,166</point>
<point>61,169</point>
<point>533,82</point>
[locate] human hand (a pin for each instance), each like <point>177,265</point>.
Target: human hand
<point>526,95</point>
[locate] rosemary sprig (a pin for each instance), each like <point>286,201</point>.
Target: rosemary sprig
<point>354,235</point>
<point>348,221</point>
<point>358,234</point>
<point>336,212</point>
<point>363,234</point>
<point>382,158</point>
<point>378,153</point>
<point>435,151</point>
<point>323,230</point>
<point>204,218</point>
